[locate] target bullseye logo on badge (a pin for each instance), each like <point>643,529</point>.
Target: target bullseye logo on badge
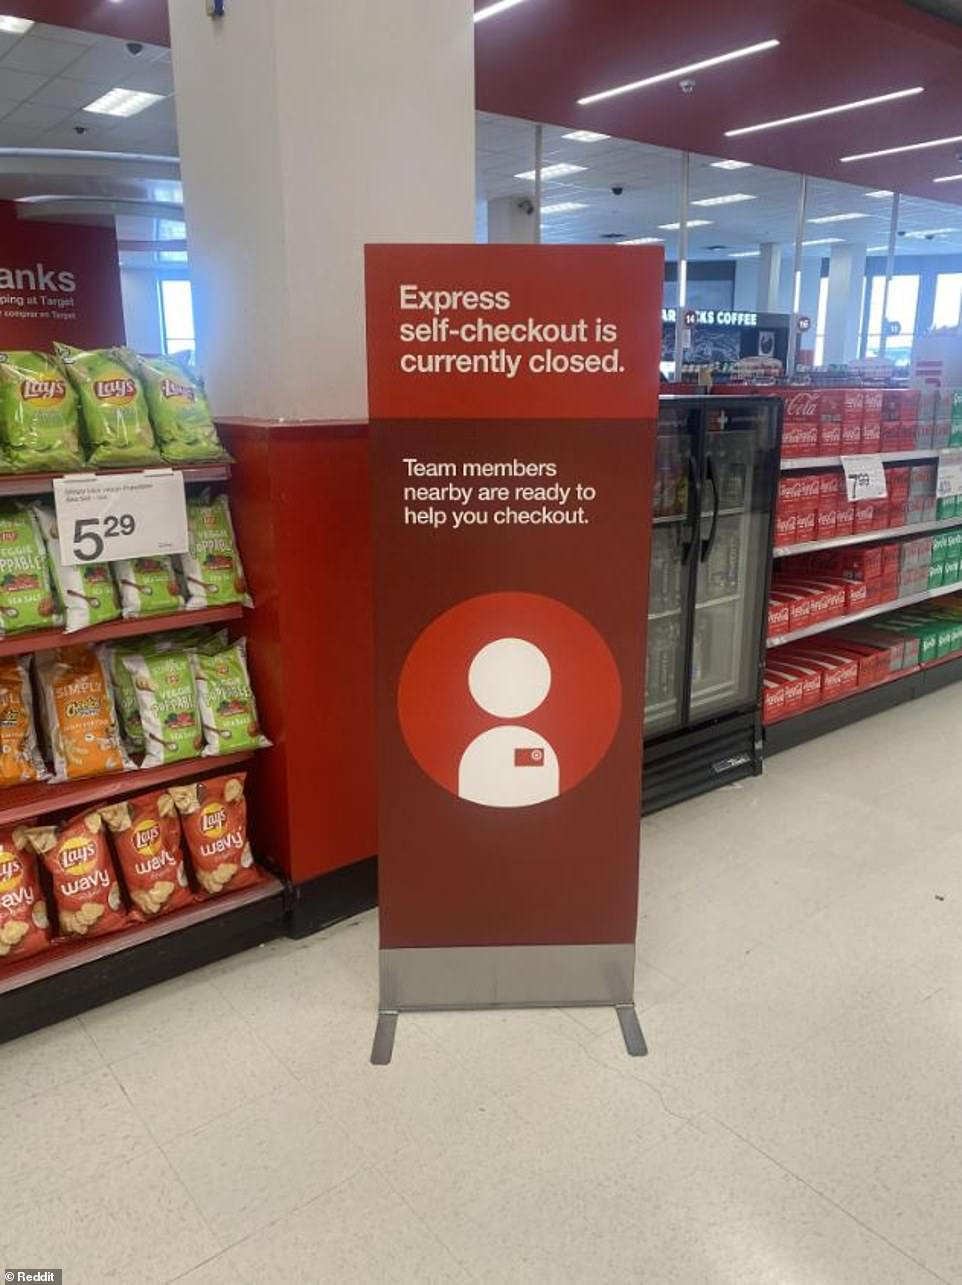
<point>509,699</point>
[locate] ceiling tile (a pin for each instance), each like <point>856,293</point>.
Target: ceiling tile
<point>45,57</point>
<point>69,34</point>
<point>18,84</point>
<point>155,78</point>
<point>108,63</point>
<point>69,94</point>
<point>36,116</point>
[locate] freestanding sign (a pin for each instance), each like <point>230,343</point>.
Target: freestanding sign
<point>513,394</point>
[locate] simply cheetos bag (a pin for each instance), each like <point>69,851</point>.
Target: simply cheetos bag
<point>24,926</point>
<point>39,420</point>
<point>114,408</point>
<point>85,887</point>
<point>213,815</point>
<point>146,835</point>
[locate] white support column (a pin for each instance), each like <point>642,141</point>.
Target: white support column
<point>307,130</point>
<point>846,274</point>
<point>769,274</point>
<point>512,220</point>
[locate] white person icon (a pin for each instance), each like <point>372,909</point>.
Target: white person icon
<point>509,765</point>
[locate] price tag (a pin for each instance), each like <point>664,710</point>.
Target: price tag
<point>864,477</point>
<point>121,515</point>
<point>950,474</point>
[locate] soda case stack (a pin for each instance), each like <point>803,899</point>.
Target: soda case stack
<point>814,506</point>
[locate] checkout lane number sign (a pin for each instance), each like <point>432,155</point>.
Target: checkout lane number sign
<point>123,515</point>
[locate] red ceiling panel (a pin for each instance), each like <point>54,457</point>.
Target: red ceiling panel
<point>144,20</point>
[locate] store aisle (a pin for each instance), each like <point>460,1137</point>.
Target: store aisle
<point>798,1121</point>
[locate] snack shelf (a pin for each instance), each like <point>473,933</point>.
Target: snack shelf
<point>47,639</point>
<point>887,457</point>
<point>40,797</point>
<point>41,483</point>
<point>67,955</point>
<point>881,534</point>
<point>836,622</point>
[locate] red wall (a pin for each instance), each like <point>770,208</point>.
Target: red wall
<point>33,260</point>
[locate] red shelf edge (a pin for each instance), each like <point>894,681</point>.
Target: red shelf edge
<point>65,956</point>
<point>48,639</point>
<point>41,797</point>
<point>16,484</point>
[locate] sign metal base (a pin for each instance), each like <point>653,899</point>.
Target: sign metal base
<point>456,978</point>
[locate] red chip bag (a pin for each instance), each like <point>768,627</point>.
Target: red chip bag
<point>214,817</point>
<point>146,836</point>
<point>85,886</point>
<point>24,926</point>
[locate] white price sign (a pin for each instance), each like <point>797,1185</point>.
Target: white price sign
<point>122,515</point>
<point>864,477</point>
<point>950,474</point>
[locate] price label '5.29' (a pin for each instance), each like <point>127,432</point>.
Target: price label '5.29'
<point>123,515</point>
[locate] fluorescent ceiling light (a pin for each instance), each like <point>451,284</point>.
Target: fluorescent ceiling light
<point>838,218</point>
<point>824,111</point>
<point>83,154</point>
<point>123,102</point>
<point>731,165</point>
<point>732,199</point>
<point>692,223</point>
<point>906,147</point>
<point>562,207</point>
<point>14,26</point>
<point>745,254</point>
<point>676,72</point>
<point>498,7</point>
<point>825,240</point>
<point>882,192</point>
<point>948,178</point>
<point>877,249</point>
<point>642,240</point>
<point>553,171</point>
<point>585,136</point>
<point>926,232</point>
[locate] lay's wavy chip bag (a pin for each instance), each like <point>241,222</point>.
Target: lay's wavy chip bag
<point>39,420</point>
<point>178,409</point>
<point>114,408</point>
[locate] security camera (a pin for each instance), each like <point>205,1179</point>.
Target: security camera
<point>134,47</point>
<point>958,154</point>
<point>526,206</point>
<point>686,86</point>
<point>617,189</point>
<point>80,129</point>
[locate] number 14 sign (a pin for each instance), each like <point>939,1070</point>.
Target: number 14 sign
<point>103,518</point>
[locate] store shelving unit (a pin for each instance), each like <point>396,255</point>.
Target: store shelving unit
<point>19,484</point>
<point>47,639</point>
<point>880,534</point>
<point>887,457</point>
<point>882,608</point>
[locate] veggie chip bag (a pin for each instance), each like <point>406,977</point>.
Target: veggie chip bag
<point>227,708</point>
<point>20,759</point>
<point>148,586</point>
<point>39,420</point>
<point>167,701</point>
<point>24,925</point>
<point>26,592</point>
<point>146,835</point>
<point>212,567</point>
<point>86,590</point>
<point>178,410</point>
<point>85,886</point>
<point>79,713</point>
<point>114,408</point>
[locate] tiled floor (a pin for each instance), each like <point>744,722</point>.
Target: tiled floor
<point>798,1122</point>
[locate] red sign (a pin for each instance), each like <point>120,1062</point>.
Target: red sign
<point>57,281</point>
<point>514,395</point>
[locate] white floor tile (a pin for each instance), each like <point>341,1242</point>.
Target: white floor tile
<point>60,1054</point>
<point>175,1011</point>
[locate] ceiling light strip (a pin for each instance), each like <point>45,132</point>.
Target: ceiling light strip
<point>675,72</point>
<point>949,178</point>
<point>732,199</point>
<point>825,111</point>
<point>499,6</point>
<point>905,147</point>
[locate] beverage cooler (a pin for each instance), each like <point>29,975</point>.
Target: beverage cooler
<point>716,475</point>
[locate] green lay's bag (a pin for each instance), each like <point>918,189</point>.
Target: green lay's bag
<point>26,594</point>
<point>178,409</point>
<point>212,567</point>
<point>114,408</point>
<point>148,586</point>
<point>39,420</point>
<point>227,709</point>
<point>167,701</point>
<point>87,590</point>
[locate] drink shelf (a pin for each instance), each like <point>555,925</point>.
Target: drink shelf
<point>866,537</point>
<point>69,955</point>
<point>13,484</point>
<point>887,457</point>
<point>717,602</point>
<point>46,639</point>
<point>37,798</point>
<point>882,608</point>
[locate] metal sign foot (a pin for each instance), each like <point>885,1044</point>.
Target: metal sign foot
<point>383,1047</point>
<point>631,1030</point>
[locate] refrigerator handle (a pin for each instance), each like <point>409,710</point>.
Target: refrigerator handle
<point>708,544</point>
<point>694,509</point>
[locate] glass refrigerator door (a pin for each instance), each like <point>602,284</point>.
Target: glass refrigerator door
<point>732,557</point>
<point>672,549</point>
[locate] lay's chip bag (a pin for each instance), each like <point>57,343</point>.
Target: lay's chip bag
<point>27,599</point>
<point>39,419</point>
<point>212,567</point>
<point>178,409</point>
<point>114,408</point>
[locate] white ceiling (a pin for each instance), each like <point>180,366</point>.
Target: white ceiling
<point>651,180</point>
